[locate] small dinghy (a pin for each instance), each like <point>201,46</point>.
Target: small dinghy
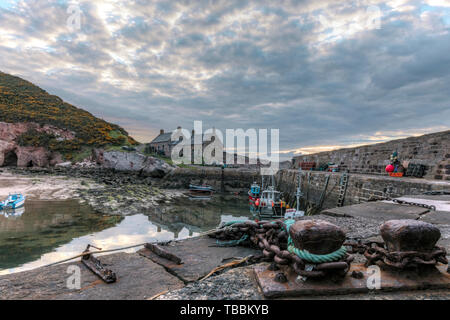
<point>14,201</point>
<point>203,188</point>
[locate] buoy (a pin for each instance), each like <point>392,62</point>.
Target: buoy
<point>390,168</point>
<point>257,202</point>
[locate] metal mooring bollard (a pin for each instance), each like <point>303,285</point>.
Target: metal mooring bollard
<point>407,244</point>
<point>317,236</point>
<point>319,244</point>
<point>312,248</point>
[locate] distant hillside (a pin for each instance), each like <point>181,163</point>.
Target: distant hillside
<point>21,101</point>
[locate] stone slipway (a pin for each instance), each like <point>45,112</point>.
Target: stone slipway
<point>138,276</point>
<point>199,257</point>
<point>378,210</point>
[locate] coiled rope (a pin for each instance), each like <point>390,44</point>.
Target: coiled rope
<point>303,254</point>
<point>310,257</point>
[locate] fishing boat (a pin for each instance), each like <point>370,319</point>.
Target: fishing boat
<point>296,212</point>
<point>269,204</point>
<point>14,201</point>
<point>254,194</point>
<point>203,191</point>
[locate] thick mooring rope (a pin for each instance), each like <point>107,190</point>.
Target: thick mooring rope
<point>310,257</point>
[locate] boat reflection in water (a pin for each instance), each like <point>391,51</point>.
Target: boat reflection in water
<point>12,213</point>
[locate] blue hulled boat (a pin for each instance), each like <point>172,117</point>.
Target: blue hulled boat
<point>14,201</point>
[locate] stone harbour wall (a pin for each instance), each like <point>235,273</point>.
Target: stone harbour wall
<point>430,150</point>
<point>227,180</point>
<point>360,188</point>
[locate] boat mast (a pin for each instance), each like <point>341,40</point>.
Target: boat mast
<point>299,183</point>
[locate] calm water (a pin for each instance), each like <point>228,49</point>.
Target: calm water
<point>49,231</point>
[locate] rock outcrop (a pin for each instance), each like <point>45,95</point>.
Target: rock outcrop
<point>11,154</point>
<point>132,161</point>
<point>32,156</point>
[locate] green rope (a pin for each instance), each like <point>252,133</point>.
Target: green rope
<point>232,243</point>
<point>310,257</point>
<point>318,258</point>
<point>303,254</point>
<point>229,223</point>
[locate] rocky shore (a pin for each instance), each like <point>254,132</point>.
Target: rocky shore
<point>106,190</point>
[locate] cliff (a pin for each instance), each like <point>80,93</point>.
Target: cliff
<point>39,129</point>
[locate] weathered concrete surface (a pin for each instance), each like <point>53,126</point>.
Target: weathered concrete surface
<point>199,257</point>
<point>235,284</point>
<point>138,278</point>
<point>441,202</point>
<point>378,210</point>
<point>437,217</point>
<point>436,279</point>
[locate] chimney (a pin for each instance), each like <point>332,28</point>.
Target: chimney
<point>161,131</point>
<point>193,132</point>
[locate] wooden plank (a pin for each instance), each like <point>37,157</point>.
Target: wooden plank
<point>163,253</point>
<point>199,256</point>
<point>99,269</point>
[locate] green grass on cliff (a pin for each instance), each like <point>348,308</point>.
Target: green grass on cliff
<point>21,101</point>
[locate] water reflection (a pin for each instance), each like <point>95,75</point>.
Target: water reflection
<point>12,213</point>
<point>54,230</point>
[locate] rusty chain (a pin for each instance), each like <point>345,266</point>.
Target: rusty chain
<point>272,239</point>
<point>410,203</point>
<point>376,252</point>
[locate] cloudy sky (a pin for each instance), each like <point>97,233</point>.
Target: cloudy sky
<point>326,73</point>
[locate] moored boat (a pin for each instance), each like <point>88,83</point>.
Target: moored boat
<point>266,204</point>
<point>296,212</point>
<point>202,188</point>
<point>253,194</point>
<point>14,201</point>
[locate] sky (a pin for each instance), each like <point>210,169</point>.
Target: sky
<point>327,74</point>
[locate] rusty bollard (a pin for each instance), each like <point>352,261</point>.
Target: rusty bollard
<point>320,246</point>
<point>316,236</point>
<point>408,244</point>
<point>409,235</point>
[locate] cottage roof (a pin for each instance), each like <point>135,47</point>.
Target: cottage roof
<point>164,137</point>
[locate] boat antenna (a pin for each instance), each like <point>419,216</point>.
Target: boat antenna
<point>299,184</point>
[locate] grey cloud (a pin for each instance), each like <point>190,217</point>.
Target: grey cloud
<point>240,64</point>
